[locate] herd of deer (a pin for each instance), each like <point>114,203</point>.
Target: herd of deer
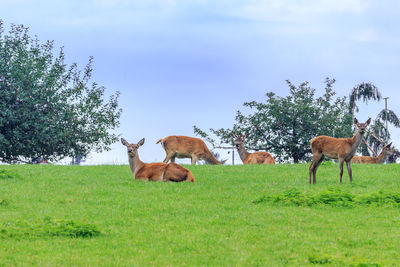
<point>342,149</point>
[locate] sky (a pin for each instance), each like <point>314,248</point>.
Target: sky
<point>180,63</point>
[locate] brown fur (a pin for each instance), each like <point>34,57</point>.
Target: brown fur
<point>158,171</point>
<point>259,158</point>
<point>342,149</point>
<point>381,158</point>
<point>251,158</point>
<point>187,147</point>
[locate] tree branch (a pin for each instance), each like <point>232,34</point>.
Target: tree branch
<point>373,152</point>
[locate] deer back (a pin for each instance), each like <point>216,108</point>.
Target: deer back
<point>259,158</point>
<point>332,147</point>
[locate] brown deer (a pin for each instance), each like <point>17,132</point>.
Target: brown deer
<point>251,158</point>
<point>158,171</point>
<point>381,158</point>
<point>342,149</point>
<point>187,147</point>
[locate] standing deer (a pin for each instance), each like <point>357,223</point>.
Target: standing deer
<point>187,147</point>
<point>158,171</point>
<point>381,158</point>
<point>336,148</point>
<point>251,158</point>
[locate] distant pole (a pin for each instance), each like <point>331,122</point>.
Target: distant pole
<point>233,156</point>
<point>386,119</point>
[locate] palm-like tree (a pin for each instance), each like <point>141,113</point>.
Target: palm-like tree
<point>366,92</point>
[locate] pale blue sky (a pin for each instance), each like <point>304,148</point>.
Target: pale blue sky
<point>184,63</point>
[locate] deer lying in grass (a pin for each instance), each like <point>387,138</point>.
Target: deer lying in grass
<point>187,147</point>
<point>155,171</point>
<point>336,148</point>
<point>251,158</point>
<point>381,158</point>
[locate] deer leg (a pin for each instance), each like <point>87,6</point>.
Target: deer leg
<point>341,161</point>
<point>316,167</point>
<point>348,166</point>
<point>194,159</point>
<point>310,170</point>
<point>169,156</point>
<point>313,168</point>
<point>173,159</point>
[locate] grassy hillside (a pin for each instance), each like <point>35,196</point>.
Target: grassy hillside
<point>232,215</point>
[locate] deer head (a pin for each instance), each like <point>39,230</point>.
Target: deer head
<point>389,152</point>
<point>361,127</point>
<point>132,148</point>
<point>239,140</point>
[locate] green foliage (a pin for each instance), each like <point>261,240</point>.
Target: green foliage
<point>364,92</point>
<point>47,227</point>
<point>284,126</point>
<point>49,109</point>
<point>332,197</point>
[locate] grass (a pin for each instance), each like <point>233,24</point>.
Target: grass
<point>232,216</point>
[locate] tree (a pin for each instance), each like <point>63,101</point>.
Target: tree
<point>378,130</point>
<point>284,126</point>
<point>48,109</point>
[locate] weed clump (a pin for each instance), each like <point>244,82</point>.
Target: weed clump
<point>47,227</point>
<point>5,174</point>
<point>323,258</point>
<point>332,197</point>
<point>320,259</point>
<point>4,202</point>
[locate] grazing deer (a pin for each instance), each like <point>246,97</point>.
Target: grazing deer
<point>381,158</point>
<point>158,171</point>
<point>251,158</point>
<point>336,148</point>
<point>187,147</point>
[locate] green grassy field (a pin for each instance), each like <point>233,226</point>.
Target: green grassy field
<point>232,216</point>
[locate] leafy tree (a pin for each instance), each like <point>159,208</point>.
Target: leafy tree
<point>48,109</point>
<point>284,126</point>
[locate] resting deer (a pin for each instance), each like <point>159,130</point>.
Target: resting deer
<point>251,158</point>
<point>381,158</point>
<point>155,171</point>
<point>336,148</point>
<point>187,147</point>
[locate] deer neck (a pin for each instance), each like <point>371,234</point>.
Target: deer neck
<point>135,163</point>
<point>381,158</point>
<point>243,152</point>
<point>355,142</point>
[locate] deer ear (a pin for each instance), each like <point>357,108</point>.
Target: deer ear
<point>368,121</point>
<point>124,142</point>
<point>233,135</point>
<point>246,135</point>
<point>388,146</point>
<point>355,121</point>
<point>141,142</point>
